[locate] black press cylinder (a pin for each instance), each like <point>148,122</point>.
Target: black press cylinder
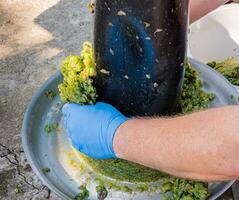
<point>140,50</point>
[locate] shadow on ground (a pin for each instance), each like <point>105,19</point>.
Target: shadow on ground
<point>21,73</point>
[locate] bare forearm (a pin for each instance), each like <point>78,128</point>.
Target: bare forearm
<point>203,145</point>
<point>199,8</point>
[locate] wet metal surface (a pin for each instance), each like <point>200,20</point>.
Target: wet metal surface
<point>52,150</point>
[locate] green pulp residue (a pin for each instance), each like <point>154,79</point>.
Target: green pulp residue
<point>84,194</point>
<point>123,170</point>
<point>193,98</point>
<point>78,73</point>
<point>185,189</point>
<point>19,189</point>
<point>50,127</point>
<point>228,68</point>
<point>91,7</point>
<point>46,170</point>
<point>102,192</point>
<point>123,188</point>
<point>50,94</point>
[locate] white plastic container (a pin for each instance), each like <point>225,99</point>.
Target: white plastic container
<point>216,36</point>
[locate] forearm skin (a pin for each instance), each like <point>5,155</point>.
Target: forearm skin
<point>202,146</point>
<point>199,8</point>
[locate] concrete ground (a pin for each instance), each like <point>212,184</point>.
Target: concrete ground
<point>35,36</point>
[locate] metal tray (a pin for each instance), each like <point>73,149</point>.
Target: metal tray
<point>55,152</point>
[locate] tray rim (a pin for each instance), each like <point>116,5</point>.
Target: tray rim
<point>24,136</point>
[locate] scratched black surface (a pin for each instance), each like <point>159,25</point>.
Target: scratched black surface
<point>142,45</point>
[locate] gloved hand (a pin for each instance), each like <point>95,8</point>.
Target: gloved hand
<point>92,128</point>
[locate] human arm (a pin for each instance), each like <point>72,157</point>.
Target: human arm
<point>199,8</point>
<point>203,145</point>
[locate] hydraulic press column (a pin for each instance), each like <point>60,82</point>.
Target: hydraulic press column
<point>140,50</point>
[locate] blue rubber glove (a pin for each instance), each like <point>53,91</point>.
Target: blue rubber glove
<point>92,128</point>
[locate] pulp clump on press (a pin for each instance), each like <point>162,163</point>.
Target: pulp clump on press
<point>78,72</point>
<point>77,87</point>
<point>123,170</point>
<point>228,68</point>
<point>192,98</point>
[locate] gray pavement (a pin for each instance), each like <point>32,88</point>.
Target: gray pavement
<point>35,36</point>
